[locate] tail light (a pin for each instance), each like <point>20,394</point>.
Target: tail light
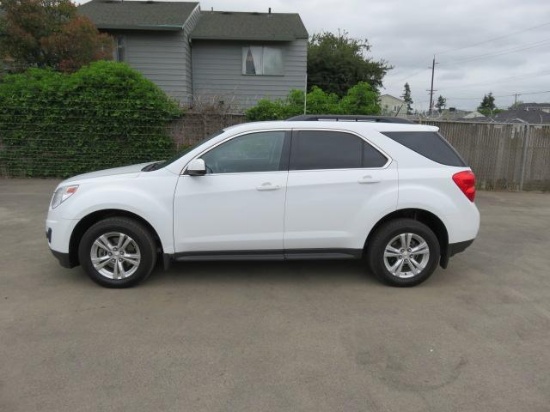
<point>466,181</point>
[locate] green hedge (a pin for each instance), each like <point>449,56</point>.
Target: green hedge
<point>361,99</point>
<point>104,115</point>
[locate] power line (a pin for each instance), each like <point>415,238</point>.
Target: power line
<point>502,95</point>
<point>495,38</point>
<point>526,76</point>
<point>482,56</point>
<point>412,75</point>
<point>515,49</point>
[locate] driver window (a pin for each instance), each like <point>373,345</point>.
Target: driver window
<point>255,152</point>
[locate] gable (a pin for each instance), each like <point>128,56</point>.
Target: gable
<point>391,100</point>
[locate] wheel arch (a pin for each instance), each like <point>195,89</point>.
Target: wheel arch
<point>425,217</point>
<point>91,219</point>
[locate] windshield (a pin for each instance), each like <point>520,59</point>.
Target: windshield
<point>164,163</point>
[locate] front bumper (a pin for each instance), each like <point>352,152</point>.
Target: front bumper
<point>64,259</point>
<point>58,233</point>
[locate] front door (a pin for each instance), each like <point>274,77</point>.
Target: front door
<point>239,204</point>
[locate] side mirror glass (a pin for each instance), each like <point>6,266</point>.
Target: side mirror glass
<point>196,167</point>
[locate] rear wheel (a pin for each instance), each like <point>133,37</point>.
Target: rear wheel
<point>117,252</point>
<point>403,252</point>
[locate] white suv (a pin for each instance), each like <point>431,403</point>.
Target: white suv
<point>313,187</point>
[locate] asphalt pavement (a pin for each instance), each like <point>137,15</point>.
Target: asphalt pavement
<point>261,336</point>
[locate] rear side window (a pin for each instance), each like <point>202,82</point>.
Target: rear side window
<point>372,157</point>
<point>314,150</point>
<point>430,145</point>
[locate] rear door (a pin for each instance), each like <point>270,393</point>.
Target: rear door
<point>338,183</point>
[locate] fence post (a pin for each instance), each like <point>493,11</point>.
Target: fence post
<point>524,155</point>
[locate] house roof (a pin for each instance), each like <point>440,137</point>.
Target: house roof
<point>520,116</point>
<point>137,15</point>
<point>473,115</point>
<point>223,25</point>
<point>532,106</point>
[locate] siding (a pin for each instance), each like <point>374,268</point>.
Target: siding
<point>391,106</point>
<point>217,74</point>
<point>160,57</point>
<point>187,66</point>
<point>164,57</point>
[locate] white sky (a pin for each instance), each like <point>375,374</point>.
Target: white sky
<point>407,33</point>
<point>480,46</point>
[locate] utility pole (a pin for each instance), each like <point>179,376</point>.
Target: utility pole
<point>432,88</point>
<point>305,94</point>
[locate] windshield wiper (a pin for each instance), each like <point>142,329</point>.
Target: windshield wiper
<point>152,166</point>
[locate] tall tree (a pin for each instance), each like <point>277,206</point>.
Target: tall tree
<point>49,33</point>
<point>441,103</point>
<point>487,105</point>
<point>407,98</point>
<point>336,62</point>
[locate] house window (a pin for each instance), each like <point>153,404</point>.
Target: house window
<point>120,48</point>
<point>263,61</point>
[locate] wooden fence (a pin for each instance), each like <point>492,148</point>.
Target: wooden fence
<point>503,156</point>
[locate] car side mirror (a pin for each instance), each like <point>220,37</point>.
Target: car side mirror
<point>196,167</point>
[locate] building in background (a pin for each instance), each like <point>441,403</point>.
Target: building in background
<point>213,58</point>
<point>393,106</point>
<point>544,107</point>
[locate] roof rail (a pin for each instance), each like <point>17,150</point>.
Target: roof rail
<point>348,118</point>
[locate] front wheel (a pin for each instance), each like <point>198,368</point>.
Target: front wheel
<point>117,252</point>
<point>403,252</point>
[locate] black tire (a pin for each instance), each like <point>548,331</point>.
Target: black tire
<point>409,269</point>
<point>124,255</point>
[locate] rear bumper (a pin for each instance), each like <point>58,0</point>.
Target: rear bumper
<point>453,249</point>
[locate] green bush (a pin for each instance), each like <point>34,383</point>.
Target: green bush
<point>277,109</point>
<point>267,109</point>
<point>104,115</point>
<point>360,99</point>
<point>319,102</point>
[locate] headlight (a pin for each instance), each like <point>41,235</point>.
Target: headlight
<point>62,194</point>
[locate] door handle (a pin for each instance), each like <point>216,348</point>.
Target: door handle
<point>267,186</point>
<point>368,179</point>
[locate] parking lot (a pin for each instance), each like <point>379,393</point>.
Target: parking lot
<point>300,336</point>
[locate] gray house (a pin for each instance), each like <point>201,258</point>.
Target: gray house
<point>152,37</point>
<point>239,58</point>
<point>522,116</point>
<point>217,58</point>
<point>545,107</point>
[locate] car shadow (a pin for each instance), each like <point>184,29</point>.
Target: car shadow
<point>349,271</point>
